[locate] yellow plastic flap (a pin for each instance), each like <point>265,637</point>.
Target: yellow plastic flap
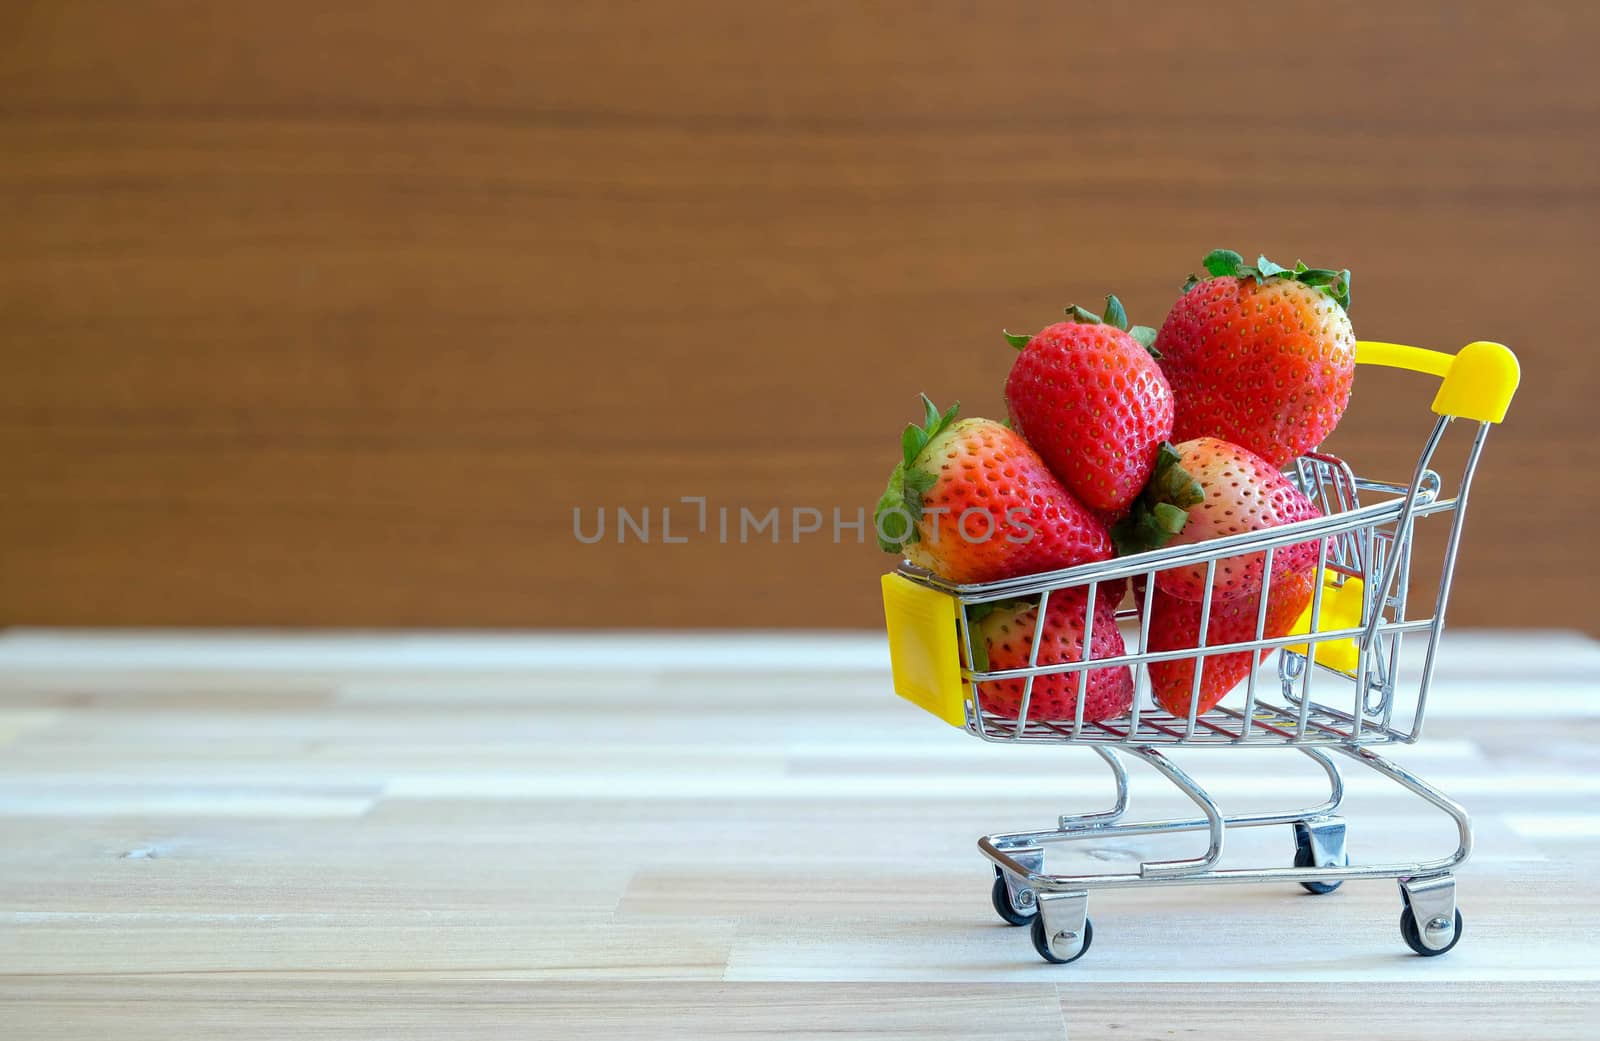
<point>923,649</point>
<point>1341,609</point>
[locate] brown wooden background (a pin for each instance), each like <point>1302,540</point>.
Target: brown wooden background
<point>331,313</point>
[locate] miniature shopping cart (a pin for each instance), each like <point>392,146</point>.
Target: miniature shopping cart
<point>1338,691</point>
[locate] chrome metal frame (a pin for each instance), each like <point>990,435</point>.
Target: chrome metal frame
<point>1001,849</point>
<point>1317,710</point>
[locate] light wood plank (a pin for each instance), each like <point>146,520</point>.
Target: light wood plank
<point>1486,1011</point>
<point>508,942</point>
<point>48,1009</point>
<point>660,850</point>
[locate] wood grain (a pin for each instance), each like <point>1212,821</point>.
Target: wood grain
<point>650,849</point>
<point>490,1010</point>
<point>331,316</point>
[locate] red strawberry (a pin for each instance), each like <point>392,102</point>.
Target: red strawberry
<point>971,502</point>
<point>1089,397</point>
<point>1175,625</point>
<point>1262,356</point>
<point>1001,640</point>
<point>1242,493</point>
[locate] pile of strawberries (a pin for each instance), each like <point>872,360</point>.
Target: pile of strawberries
<point>1122,440</point>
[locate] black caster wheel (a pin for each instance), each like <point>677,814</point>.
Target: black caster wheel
<point>1413,936</point>
<point>1001,898</point>
<point>1303,857</point>
<point>1043,947</point>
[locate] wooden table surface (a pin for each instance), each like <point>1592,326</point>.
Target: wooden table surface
<point>716,837</point>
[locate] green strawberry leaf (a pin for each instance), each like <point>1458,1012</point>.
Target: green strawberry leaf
<point>980,652</point>
<point>1335,284</point>
<point>1223,263</point>
<point>919,481</point>
<point>1115,313</point>
<point>1267,269</point>
<point>980,647</point>
<point>891,519</point>
<point>1134,533</point>
<point>1162,508</point>
<point>900,506</point>
<point>1169,518</point>
<point>1017,340</point>
<point>913,439</point>
<point>976,614</point>
<point>1170,482</point>
<point>1145,336</point>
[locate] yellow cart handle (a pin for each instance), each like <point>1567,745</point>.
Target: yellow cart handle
<point>1479,380</point>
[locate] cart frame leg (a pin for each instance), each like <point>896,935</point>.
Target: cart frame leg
<point>1107,822</point>
<point>1213,820</point>
<point>1119,774</point>
<point>1417,786</point>
<point>999,849</point>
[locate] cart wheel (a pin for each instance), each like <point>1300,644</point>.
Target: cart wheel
<point>1303,858</point>
<point>1413,936</point>
<point>1000,896</point>
<point>1041,945</point>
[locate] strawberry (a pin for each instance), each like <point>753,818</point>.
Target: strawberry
<point>1262,356</point>
<point>1087,394</point>
<point>1242,492</point>
<point>1001,638</point>
<point>1175,625</point>
<point>971,502</point>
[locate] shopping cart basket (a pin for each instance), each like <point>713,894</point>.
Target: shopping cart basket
<point>1338,690</point>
